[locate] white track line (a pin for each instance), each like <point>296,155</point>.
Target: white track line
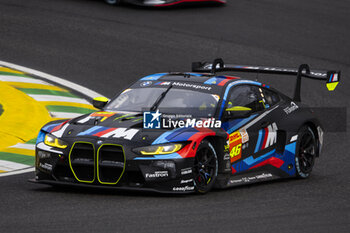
<point>30,169</point>
<point>24,146</point>
<point>9,166</point>
<point>57,98</point>
<point>10,78</point>
<point>62,82</point>
<point>64,114</point>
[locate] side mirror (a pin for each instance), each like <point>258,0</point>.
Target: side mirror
<point>99,102</point>
<point>237,112</point>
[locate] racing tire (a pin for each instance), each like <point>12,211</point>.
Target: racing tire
<point>205,169</point>
<point>113,2</point>
<point>306,152</point>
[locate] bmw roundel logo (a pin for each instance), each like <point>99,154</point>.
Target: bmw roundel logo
<point>146,83</point>
<point>99,142</point>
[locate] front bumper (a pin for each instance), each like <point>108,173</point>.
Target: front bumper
<point>159,175</point>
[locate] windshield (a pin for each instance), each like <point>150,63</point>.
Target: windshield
<point>176,101</point>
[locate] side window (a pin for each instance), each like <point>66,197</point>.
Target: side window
<point>271,97</point>
<point>245,96</point>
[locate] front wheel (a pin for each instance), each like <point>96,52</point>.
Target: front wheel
<point>205,168</point>
<point>113,2</point>
<point>306,152</point>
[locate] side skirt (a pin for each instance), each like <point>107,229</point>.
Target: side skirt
<point>261,174</point>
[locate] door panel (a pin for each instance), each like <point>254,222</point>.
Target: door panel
<point>256,137</point>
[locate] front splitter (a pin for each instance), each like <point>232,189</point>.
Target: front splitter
<point>105,187</point>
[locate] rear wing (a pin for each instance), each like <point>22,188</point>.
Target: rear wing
<point>332,78</point>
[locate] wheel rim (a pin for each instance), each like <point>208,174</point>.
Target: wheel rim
<point>204,167</point>
<point>307,153</point>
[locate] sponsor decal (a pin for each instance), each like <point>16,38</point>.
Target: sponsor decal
<point>227,146</point>
<point>267,137</point>
<point>163,83</point>
<point>88,160</point>
<point>293,106</point>
<point>186,171</point>
<point>264,175</point>
<point>185,188</point>
<point>164,164</point>
<point>43,154</point>
<point>146,83</point>
<point>294,138</point>
<point>186,181</point>
<point>105,132</point>
<point>245,146</point>
<point>235,141</point>
<point>190,85</point>
<point>249,178</point>
<point>121,133</point>
<point>157,174</point>
<point>46,166</point>
<point>271,135</point>
<point>226,156</point>
<point>244,135</point>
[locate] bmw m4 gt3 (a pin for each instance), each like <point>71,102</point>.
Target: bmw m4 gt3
<point>186,132</point>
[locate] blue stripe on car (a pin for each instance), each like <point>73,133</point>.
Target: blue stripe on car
<point>92,130</point>
<point>41,137</point>
<point>153,76</point>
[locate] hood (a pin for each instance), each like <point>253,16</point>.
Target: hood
<point>110,119</point>
<point>120,128</point>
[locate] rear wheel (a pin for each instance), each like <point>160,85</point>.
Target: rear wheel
<point>306,152</point>
<point>113,2</point>
<point>205,167</point>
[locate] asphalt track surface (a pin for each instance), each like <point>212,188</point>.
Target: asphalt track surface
<point>105,48</point>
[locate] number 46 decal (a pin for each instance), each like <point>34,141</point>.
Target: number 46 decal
<point>236,151</point>
<point>235,142</point>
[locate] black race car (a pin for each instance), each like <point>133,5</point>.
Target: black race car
<point>161,3</point>
<point>186,132</point>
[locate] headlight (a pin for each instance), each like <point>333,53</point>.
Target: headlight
<point>159,149</point>
<point>53,141</point>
